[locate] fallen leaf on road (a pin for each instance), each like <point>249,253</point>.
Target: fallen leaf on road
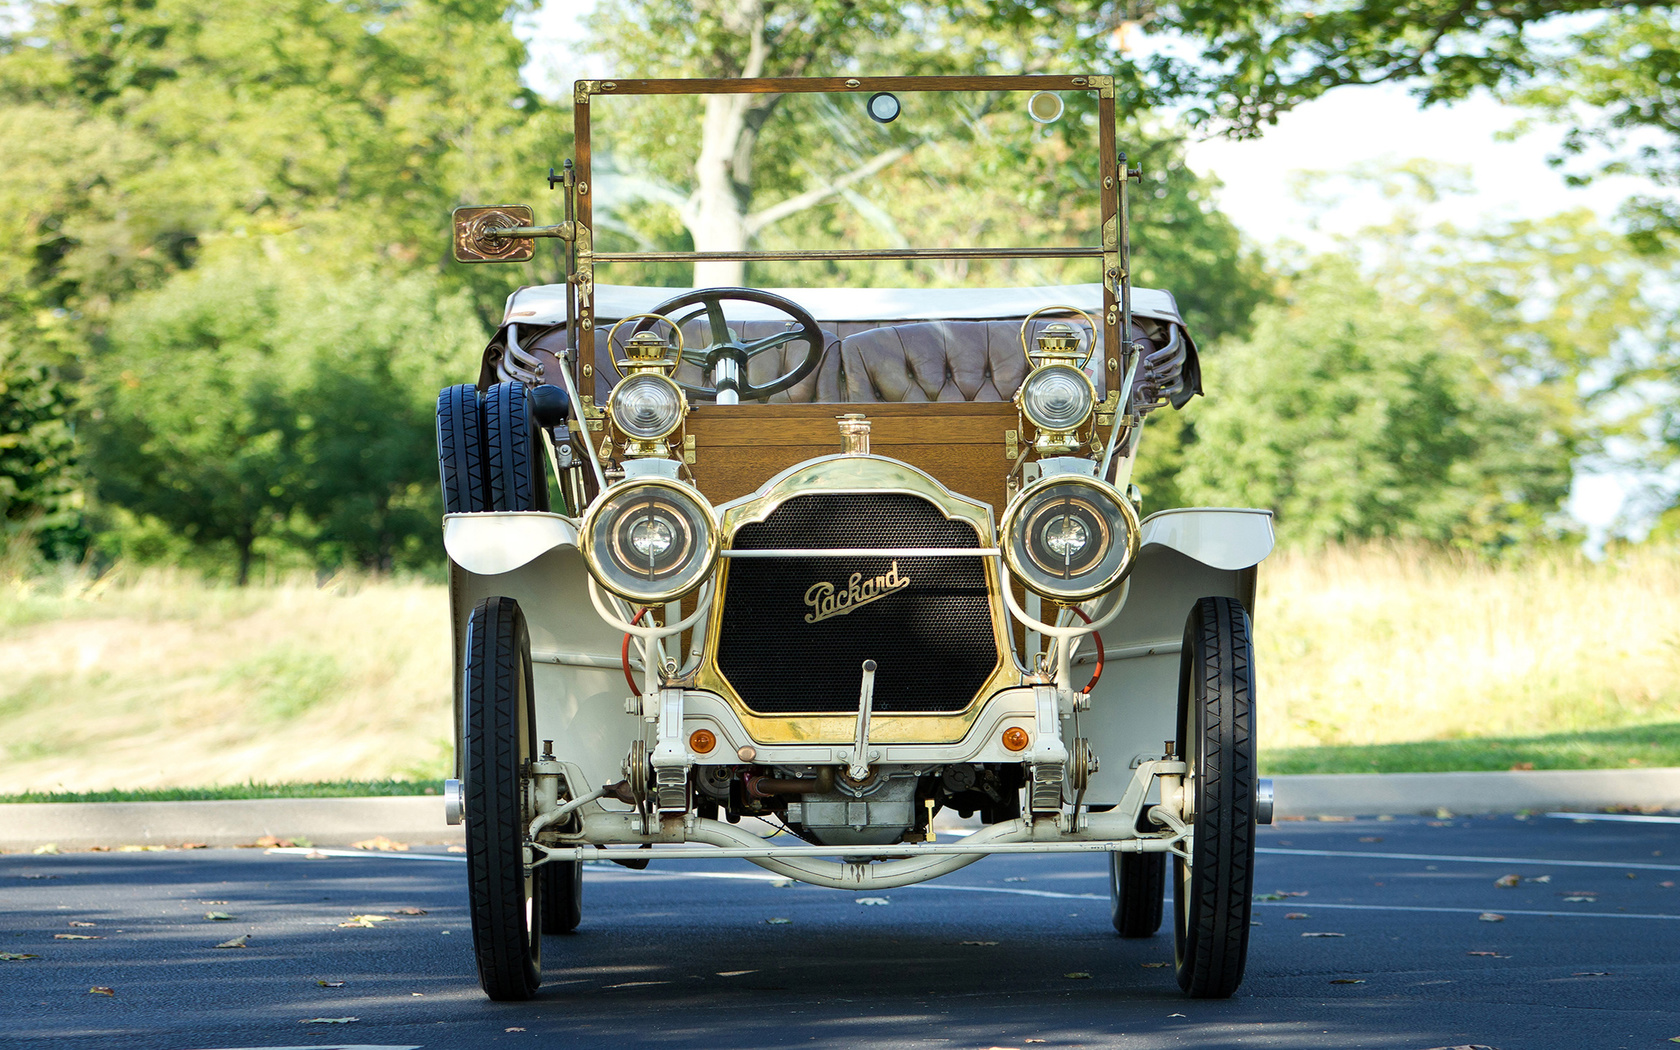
<point>212,902</point>
<point>408,911</point>
<point>1181,1015</point>
<point>218,916</point>
<point>363,921</point>
<point>781,884</point>
<point>1291,893</point>
<point>1077,975</point>
<point>1443,814</point>
<point>977,944</point>
<point>1666,885</point>
<point>778,922</point>
<point>456,849</point>
<point>1580,900</point>
<point>40,875</point>
<point>1490,955</point>
<point>873,900</point>
<point>270,842</point>
<point>1016,878</point>
<point>513,1029</point>
<point>16,956</point>
<point>1590,973</point>
<point>100,989</point>
<point>1370,838</point>
<point>1268,896</point>
<point>142,849</point>
<point>1154,965</point>
<point>76,937</point>
<point>1488,916</point>
<point>1348,980</point>
<point>328,1020</point>
<point>382,844</point>
<point>237,942</point>
<point>1297,915</point>
<point>78,922</point>
<point>1324,935</point>
<point>330,984</point>
<point>735,973</point>
<point>195,845</point>
<point>1539,878</point>
<point>1507,881</point>
<point>48,849</point>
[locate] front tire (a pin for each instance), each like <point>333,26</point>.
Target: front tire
<point>504,894</point>
<point>1213,892</point>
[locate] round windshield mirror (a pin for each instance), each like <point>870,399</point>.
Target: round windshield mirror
<point>1045,107</point>
<point>883,107</point>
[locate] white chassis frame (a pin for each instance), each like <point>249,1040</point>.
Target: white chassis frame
<point>533,557</point>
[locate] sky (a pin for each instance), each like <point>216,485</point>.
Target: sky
<point>1508,179</point>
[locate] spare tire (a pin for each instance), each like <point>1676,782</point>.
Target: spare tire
<point>514,474</point>
<point>460,438</point>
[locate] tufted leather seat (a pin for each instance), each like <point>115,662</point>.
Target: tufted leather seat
<point>822,385</point>
<point>941,361</point>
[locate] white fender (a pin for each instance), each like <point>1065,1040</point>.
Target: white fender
<point>489,544</point>
<point>1227,538</point>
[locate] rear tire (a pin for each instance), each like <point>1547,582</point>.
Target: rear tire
<point>562,895</point>
<point>460,438</point>
<point>514,474</point>
<point>504,895</point>
<point>1213,892</point>
<point>1137,884</point>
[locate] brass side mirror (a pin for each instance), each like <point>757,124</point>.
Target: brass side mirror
<point>479,237</point>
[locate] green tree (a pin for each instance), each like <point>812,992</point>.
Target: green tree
<point>1349,416</point>
<point>40,491</point>
<point>246,404</point>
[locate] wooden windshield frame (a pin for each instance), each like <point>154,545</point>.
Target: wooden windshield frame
<point>1113,251</point>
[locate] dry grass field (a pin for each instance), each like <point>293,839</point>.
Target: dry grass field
<point>152,678</point>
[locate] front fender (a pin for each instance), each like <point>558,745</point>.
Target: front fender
<point>1183,555</point>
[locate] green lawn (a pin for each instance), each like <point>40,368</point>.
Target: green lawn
<point>1629,748</point>
<point>318,789</point>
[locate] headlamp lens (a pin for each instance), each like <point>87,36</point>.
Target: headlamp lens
<point>647,407</point>
<point>1069,538</point>
<point>1057,397</point>
<point>650,541</point>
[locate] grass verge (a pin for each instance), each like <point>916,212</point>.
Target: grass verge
<point>317,789</point>
<point>1635,747</point>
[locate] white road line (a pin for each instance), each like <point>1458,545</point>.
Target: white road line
<point>1624,865</point>
<point>1465,911</point>
<point>1637,818</point>
<point>748,876</point>
<point>329,1046</point>
<point>307,851</point>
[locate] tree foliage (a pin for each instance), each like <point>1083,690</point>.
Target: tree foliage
<point>302,411</point>
<point>1347,414</point>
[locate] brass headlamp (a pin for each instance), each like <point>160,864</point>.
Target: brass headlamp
<point>647,406</point>
<point>1057,397</point>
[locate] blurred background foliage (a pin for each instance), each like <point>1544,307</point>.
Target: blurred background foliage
<point>226,302</point>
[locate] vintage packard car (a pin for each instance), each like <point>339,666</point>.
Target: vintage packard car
<point>840,556</point>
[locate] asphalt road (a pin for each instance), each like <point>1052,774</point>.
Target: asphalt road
<point>687,955</point>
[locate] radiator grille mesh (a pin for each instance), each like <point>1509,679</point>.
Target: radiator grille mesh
<point>931,637</point>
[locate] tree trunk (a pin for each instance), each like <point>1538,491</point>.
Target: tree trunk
<point>719,218</point>
<point>244,541</point>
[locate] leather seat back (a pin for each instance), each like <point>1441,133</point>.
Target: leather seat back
<point>942,361</point>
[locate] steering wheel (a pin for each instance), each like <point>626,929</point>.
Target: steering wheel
<point>725,359</point>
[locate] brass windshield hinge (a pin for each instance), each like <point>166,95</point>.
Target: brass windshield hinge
<point>689,451</point>
<point>597,417</point>
<point>1106,410</point>
<point>1011,444</point>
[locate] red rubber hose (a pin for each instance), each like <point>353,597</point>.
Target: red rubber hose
<point>630,678</point>
<point>1095,636</point>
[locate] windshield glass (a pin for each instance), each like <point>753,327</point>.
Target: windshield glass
<point>844,171</point>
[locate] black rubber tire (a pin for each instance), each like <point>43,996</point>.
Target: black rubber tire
<point>504,895</point>
<point>1137,884</point>
<point>1213,892</point>
<point>460,438</point>
<point>562,896</point>
<point>514,473</point>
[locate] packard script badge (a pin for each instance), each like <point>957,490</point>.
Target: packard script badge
<point>826,602</point>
